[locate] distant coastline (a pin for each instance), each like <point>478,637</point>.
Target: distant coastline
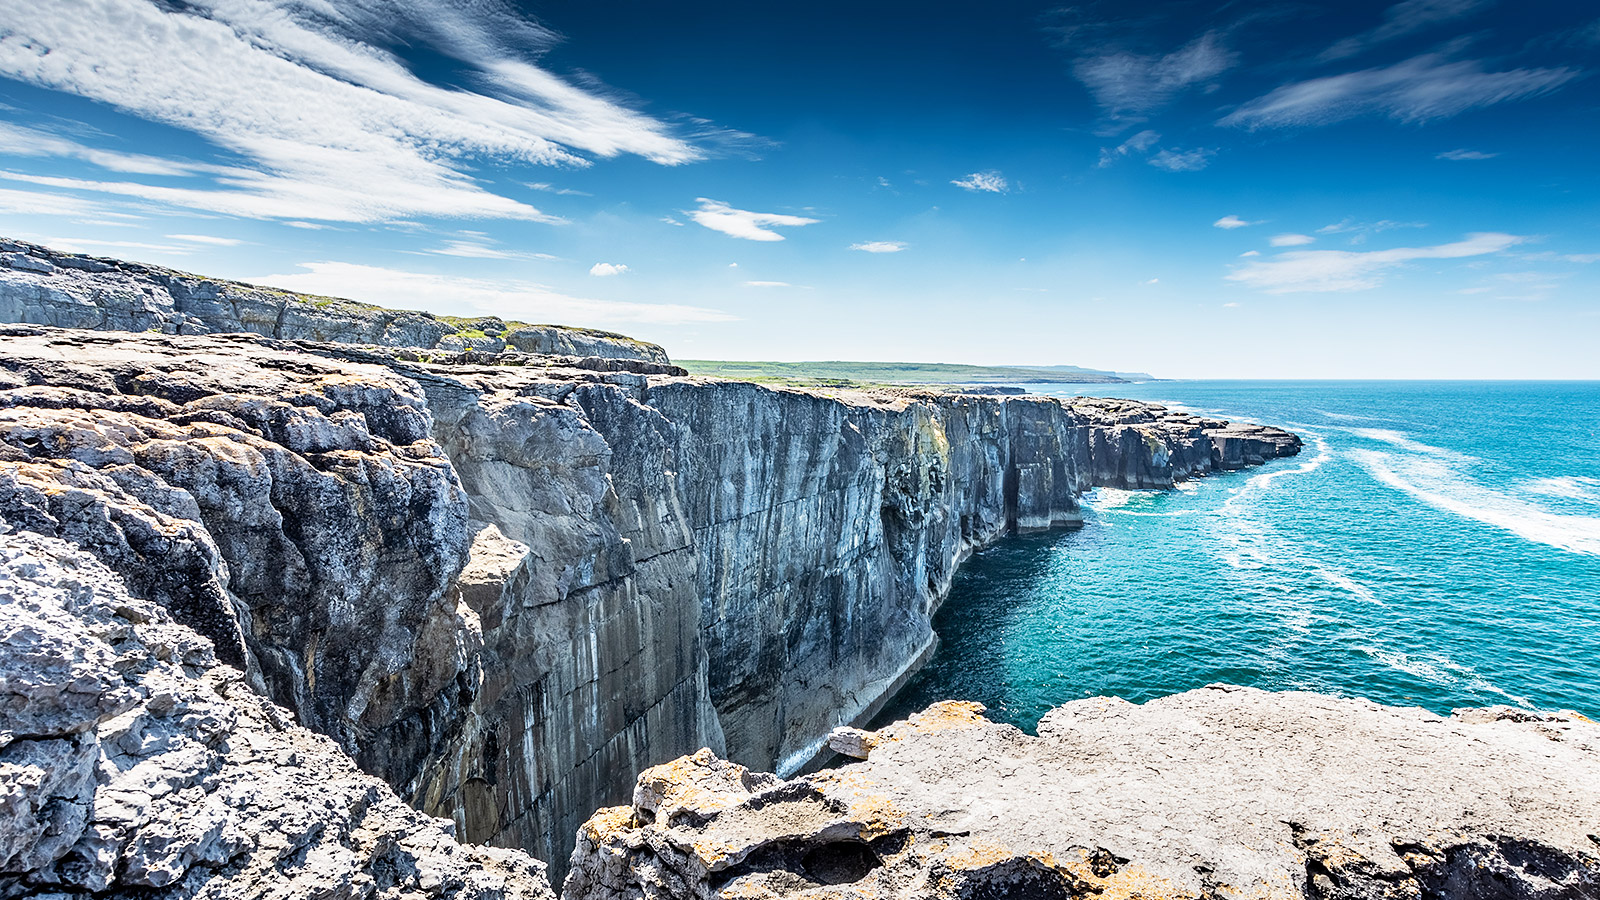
<point>904,373</point>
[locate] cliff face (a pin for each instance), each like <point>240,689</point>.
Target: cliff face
<point>134,764</point>
<point>41,286</point>
<point>1220,792</point>
<point>505,589</point>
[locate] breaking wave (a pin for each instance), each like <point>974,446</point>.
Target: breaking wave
<point>1426,477</point>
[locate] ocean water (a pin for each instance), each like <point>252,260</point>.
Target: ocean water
<point>1435,545</point>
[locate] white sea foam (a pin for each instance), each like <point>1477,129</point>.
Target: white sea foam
<point>1433,482</point>
<point>1105,499</point>
<point>1348,417</point>
<point>1401,440</point>
<point>1261,481</point>
<point>1571,487</point>
<point>1441,670</point>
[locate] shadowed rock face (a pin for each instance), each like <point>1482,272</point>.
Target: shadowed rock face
<point>1219,792</point>
<point>133,764</point>
<point>41,286</point>
<point>506,589</point>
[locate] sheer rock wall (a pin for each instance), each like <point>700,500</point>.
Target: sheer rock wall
<point>506,589</point>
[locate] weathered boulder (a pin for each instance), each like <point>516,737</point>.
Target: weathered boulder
<point>1218,792</point>
<point>133,764</point>
<point>41,286</point>
<point>290,508</point>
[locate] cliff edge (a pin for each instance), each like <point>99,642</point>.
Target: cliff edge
<point>1219,792</point>
<point>40,286</point>
<point>134,764</point>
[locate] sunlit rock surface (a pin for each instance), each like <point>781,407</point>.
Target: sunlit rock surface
<point>1219,792</point>
<point>507,581</point>
<point>41,286</point>
<point>133,764</point>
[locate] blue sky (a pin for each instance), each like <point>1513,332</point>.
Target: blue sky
<point>1295,189</point>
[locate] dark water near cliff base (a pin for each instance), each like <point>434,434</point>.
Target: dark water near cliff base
<point>1436,544</point>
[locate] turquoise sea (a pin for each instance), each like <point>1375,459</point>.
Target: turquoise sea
<point>1436,544</point>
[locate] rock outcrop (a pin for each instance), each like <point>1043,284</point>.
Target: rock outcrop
<point>41,286</point>
<point>134,764</point>
<point>507,588</point>
<point>1220,792</point>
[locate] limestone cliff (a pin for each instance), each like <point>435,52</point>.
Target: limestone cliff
<point>133,764</point>
<point>507,588</point>
<point>1221,792</point>
<point>45,287</point>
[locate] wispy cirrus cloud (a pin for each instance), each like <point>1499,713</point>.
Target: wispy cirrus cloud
<point>1139,143</point>
<point>1464,155</point>
<point>990,182</point>
<point>879,246</point>
<point>1174,160</point>
<point>1128,83</point>
<point>1401,19</point>
<point>1417,90</point>
<point>743,223</point>
<point>319,123</point>
<point>210,240</point>
<point>1317,271</point>
<point>397,288</point>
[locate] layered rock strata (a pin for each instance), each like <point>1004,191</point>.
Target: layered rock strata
<point>507,588</point>
<point>133,764</point>
<point>46,287</point>
<point>1220,792</point>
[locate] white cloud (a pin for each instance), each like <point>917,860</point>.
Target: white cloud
<point>1349,270</point>
<point>523,301</point>
<point>549,188</point>
<point>767,284</point>
<point>1123,82</point>
<point>1232,305</point>
<point>1231,222</point>
<point>1460,155</point>
<point>742,223</point>
<point>1402,19</point>
<point>19,140</point>
<point>84,245</point>
<point>1291,240</point>
<point>1548,256</point>
<point>308,226</point>
<point>1250,253</point>
<point>206,239</point>
<point>880,246</point>
<point>671,221</point>
<point>606,270</point>
<point>1183,160</point>
<point>991,182</point>
<point>1139,143</point>
<point>1416,90</point>
<point>33,203</point>
<point>326,127</point>
<point>1152,281</point>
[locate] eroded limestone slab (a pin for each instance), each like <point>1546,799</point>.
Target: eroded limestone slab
<point>1222,792</point>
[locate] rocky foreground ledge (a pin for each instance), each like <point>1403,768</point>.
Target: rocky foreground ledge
<point>1222,792</point>
<point>133,764</point>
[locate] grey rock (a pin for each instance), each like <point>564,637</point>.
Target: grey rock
<point>505,588</point>
<point>289,507</point>
<point>46,287</point>
<point>172,778</point>
<point>1219,792</point>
